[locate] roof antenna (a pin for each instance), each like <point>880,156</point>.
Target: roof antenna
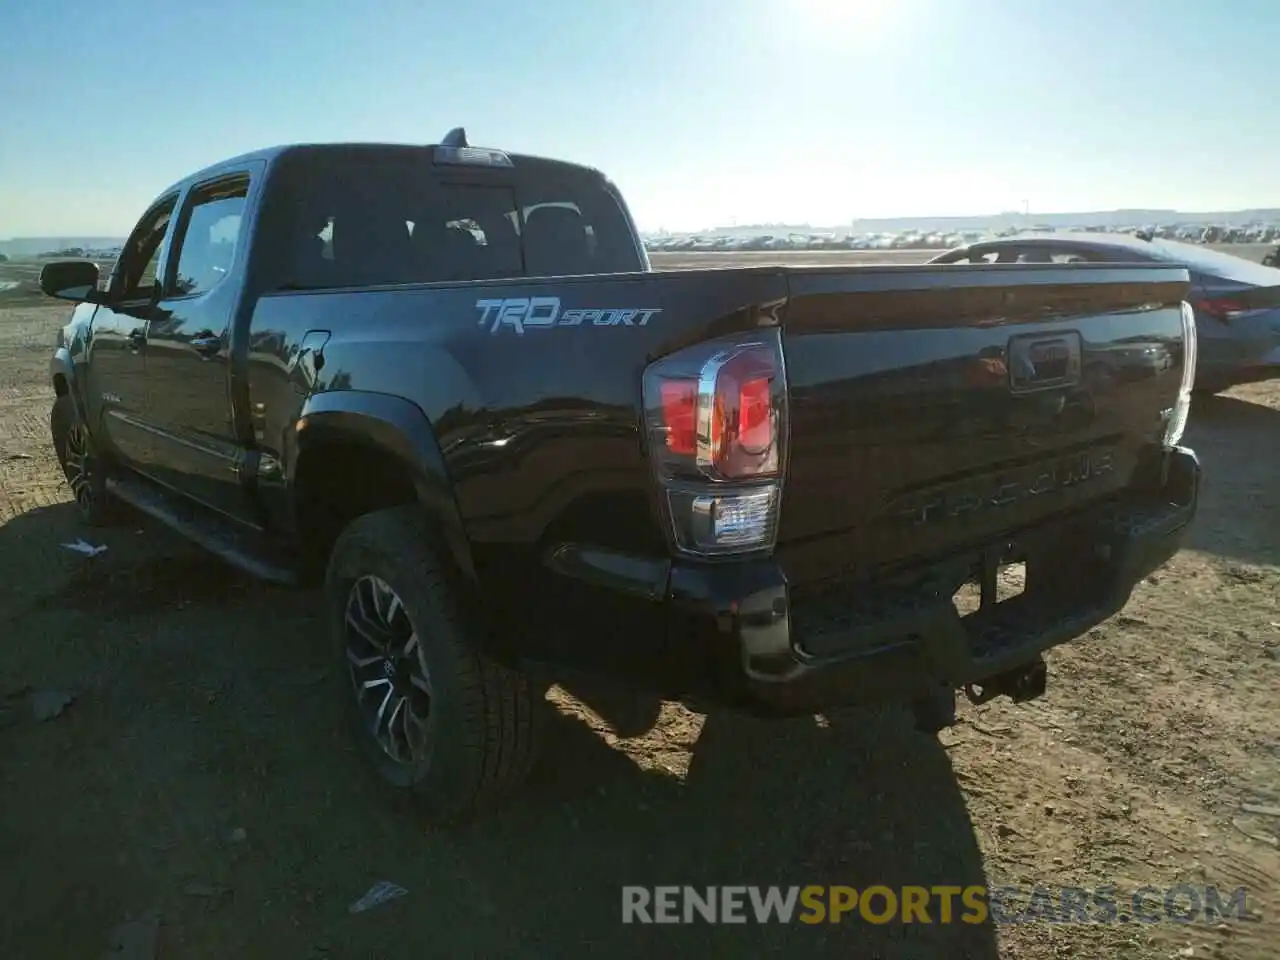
<point>457,137</point>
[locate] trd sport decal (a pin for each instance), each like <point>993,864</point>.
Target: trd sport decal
<point>521,313</point>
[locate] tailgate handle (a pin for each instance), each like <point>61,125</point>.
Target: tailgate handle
<point>1039,361</point>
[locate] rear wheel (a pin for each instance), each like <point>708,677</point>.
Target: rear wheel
<point>437,720</point>
<point>935,711</point>
<point>82,464</point>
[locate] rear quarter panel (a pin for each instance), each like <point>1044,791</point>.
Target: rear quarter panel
<point>539,424</point>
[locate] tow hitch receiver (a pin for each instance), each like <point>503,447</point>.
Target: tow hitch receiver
<point>1021,684</point>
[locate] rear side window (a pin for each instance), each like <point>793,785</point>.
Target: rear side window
<point>373,219</point>
<point>1052,255</point>
<point>972,255</point>
<point>209,235</point>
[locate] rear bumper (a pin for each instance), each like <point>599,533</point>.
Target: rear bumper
<point>769,652</point>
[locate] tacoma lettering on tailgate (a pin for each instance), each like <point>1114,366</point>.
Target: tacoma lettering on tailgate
<point>985,494</point>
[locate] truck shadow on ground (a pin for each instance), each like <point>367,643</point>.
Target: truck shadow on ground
<point>1239,447</point>
<point>205,700</point>
<point>857,799</point>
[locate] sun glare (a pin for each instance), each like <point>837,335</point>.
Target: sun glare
<point>843,12</point>
<point>837,21</point>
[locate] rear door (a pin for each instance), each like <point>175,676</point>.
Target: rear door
<point>937,407</point>
<point>196,450</point>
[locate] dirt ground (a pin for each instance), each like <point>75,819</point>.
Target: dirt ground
<point>200,777</point>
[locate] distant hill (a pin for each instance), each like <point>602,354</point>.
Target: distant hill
<point>997,221</point>
<point>30,246</point>
<point>1097,218</point>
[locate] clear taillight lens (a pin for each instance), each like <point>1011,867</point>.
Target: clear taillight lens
<point>1182,407</point>
<point>715,415</point>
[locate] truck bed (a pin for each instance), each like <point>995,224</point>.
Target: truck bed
<point>898,384</point>
<point>910,440</point>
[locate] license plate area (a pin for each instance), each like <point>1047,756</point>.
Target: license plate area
<point>992,583</point>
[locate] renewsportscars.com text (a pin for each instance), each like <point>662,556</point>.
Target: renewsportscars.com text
<point>936,904</point>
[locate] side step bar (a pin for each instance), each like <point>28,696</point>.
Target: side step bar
<point>238,546</point>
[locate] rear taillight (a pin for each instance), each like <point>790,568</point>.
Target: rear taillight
<point>679,415</point>
<point>1177,422</point>
<point>715,415</point>
<point>1221,309</point>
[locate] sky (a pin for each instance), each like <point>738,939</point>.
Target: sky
<point>703,112</point>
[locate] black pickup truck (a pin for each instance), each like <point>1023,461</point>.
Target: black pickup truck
<point>445,382</point>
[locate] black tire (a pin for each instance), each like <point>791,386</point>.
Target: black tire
<point>82,463</point>
<point>479,737</point>
<point>935,712</point>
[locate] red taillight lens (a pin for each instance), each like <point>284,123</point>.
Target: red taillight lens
<point>716,420</point>
<point>679,414</point>
<point>1221,309</point>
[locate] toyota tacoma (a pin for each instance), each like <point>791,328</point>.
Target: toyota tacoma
<point>444,383</point>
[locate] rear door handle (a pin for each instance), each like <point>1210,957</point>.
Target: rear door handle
<point>137,338</point>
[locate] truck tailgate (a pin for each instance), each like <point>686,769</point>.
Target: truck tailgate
<point>933,408</point>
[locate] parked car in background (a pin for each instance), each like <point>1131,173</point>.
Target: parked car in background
<point>1236,301</point>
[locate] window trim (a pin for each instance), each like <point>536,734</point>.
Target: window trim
<point>190,200</point>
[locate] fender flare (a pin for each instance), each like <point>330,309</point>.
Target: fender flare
<point>397,427</point>
<point>61,365</point>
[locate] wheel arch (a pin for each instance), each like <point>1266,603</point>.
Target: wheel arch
<point>385,443</point>
<point>62,375</point>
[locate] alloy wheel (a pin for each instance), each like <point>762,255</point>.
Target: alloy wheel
<point>388,674</point>
<point>79,466</point>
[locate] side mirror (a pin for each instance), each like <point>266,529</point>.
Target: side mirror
<point>75,280</point>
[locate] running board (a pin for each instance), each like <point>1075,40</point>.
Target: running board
<point>238,546</point>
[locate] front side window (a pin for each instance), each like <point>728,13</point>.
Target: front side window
<point>210,234</point>
<point>140,259</point>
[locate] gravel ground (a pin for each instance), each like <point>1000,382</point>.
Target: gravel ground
<point>198,782</point>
